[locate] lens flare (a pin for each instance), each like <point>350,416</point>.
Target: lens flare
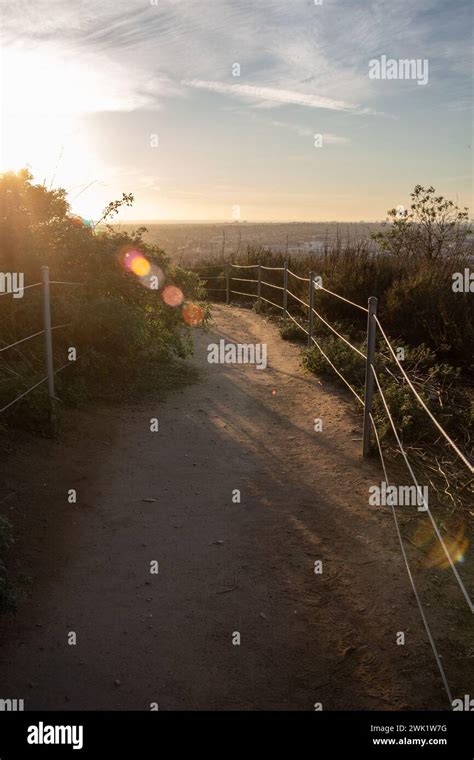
<point>140,266</point>
<point>193,315</point>
<point>173,296</point>
<point>149,275</point>
<point>80,221</point>
<point>454,539</point>
<point>456,547</point>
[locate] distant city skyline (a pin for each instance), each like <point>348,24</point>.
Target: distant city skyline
<point>273,111</point>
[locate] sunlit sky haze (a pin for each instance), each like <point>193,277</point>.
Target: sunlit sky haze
<point>132,96</point>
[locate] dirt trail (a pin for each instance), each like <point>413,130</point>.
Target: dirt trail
<point>223,567</point>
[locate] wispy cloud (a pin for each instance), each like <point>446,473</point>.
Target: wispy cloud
<point>120,70</point>
<point>288,50</point>
<point>274,95</point>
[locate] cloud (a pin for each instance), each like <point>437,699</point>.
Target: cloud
<point>274,96</point>
<point>37,81</point>
<point>287,50</point>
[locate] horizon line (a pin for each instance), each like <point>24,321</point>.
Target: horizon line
<point>249,221</point>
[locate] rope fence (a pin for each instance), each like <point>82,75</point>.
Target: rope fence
<point>421,402</point>
<point>420,493</point>
<point>47,332</point>
<point>25,287</point>
<point>411,578</point>
<point>303,279</point>
<point>373,323</point>
<point>371,377</point>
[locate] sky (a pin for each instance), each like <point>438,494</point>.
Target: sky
<point>209,110</point>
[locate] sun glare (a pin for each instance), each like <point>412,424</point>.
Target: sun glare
<point>45,100</point>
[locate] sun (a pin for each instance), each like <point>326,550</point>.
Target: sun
<point>44,119</point>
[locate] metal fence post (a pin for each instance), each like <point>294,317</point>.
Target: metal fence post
<point>311,307</point>
<point>285,289</point>
<point>259,286</point>
<point>48,338</point>
<point>227,284</point>
<point>369,377</point>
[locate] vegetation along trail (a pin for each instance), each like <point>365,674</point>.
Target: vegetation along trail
<point>307,573</point>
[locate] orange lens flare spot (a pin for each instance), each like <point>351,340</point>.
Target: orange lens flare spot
<point>139,266</point>
<point>193,315</point>
<point>173,296</point>
<point>455,542</point>
<point>134,261</point>
<point>456,547</point>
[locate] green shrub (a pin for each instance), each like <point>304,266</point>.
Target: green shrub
<point>423,308</point>
<point>350,364</point>
<point>122,331</point>
<point>290,331</point>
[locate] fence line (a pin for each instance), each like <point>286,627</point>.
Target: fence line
<point>315,286</point>
<point>366,404</point>
<point>239,293</point>
<point>61,282</point>
<point>421,402</point>
<point>297,323</point>
<point>298,299</point>
<point>410,576</point>
<point>304,279</point>
<point>47,332</point>
<point>33,335</point>
<point>354,392</point>
<point>270,302</point>
<point>372,322</point>
<point>341,298</point>
<point>354,348</point>
<point>36,385</point>
<point>370,363</point>
<point>277,287</point>
<point>419,491</point>
<point>22,395</point>
<point>17,343</point>
<point>26,287</point>
<point>284,308</point>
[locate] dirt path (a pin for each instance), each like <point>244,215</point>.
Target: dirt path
<point>224,567</point>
